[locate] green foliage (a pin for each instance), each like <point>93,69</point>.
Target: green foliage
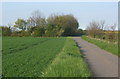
<point>21,33</point>
<point>0,31</point>
<point>68,32</point>
<point>21,24</point>
<point>29,56</point>
<point>15,33</point>
<point>24,33</point>
<point>6,31</point>
<point>110,47</point>
<point>50,30</point>
<point>64,25</point>
<point>68,63</point>
<point>0,56</point>
<point>70,25</point>
<point>55,26</point>
<point>53,30</point>
<point>38,31</point>
<point>80,32</point>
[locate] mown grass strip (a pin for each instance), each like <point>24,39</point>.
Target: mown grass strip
<point>68,63</point>
<point>110,47</point>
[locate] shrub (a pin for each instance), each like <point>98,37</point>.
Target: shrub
<point>6,31</point>
<point>24,33</point>
<point>38,32</point>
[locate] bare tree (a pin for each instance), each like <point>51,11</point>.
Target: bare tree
<point>113,27</point>
<point>95,29</point>
<point>102,24</point>
<point>36,20</point>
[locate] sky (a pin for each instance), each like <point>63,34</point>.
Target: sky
<point>60,0</point>
<point>84,12</point>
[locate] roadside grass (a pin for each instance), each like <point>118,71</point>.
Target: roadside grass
<point>68,63</point>
<point>28,56</point>
<point>110,47</point>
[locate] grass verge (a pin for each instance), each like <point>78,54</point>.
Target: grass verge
<point>110,47</point>
<point>68,63</point>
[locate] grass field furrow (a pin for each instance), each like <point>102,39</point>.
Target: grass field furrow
<point>23,47</point>
<point>31,62</point>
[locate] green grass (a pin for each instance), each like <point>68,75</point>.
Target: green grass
<point>110,47</point>
<point>28,56</point>
<point>68,63</point>
<point>0,56</point>
<point>38,57</point>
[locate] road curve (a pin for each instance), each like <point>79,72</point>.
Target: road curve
<point>100,62</point>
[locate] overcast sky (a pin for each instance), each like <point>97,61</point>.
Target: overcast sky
<point>85,12</point>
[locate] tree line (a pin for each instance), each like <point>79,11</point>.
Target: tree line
<point>37,25</point>
<point>100,30</point>
<point>58,25</point>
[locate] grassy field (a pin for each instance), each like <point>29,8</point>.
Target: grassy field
<point>0,56</point>
<point>110,47</point>
<point>31,57</point>
<point>68,63</point>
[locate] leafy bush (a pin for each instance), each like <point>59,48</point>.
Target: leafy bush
<point>24,33</point>
<point>15,33</point>
<point>38,31</point>
<point>6,31</point>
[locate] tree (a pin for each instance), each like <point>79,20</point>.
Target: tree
<point>111,35</point>
<point>113,27</point>
<point>6,31</point>
<point>69,24</point>
<point>102,25</point>
<point>93,29</point>
<point>63,24</point>
<point>37,19</point>
<point>50,30</point>
<point>80,32</point>
<point>21,24</point>
<point>38,31</point>
<point>53,26</point>
<point>23,33</point>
